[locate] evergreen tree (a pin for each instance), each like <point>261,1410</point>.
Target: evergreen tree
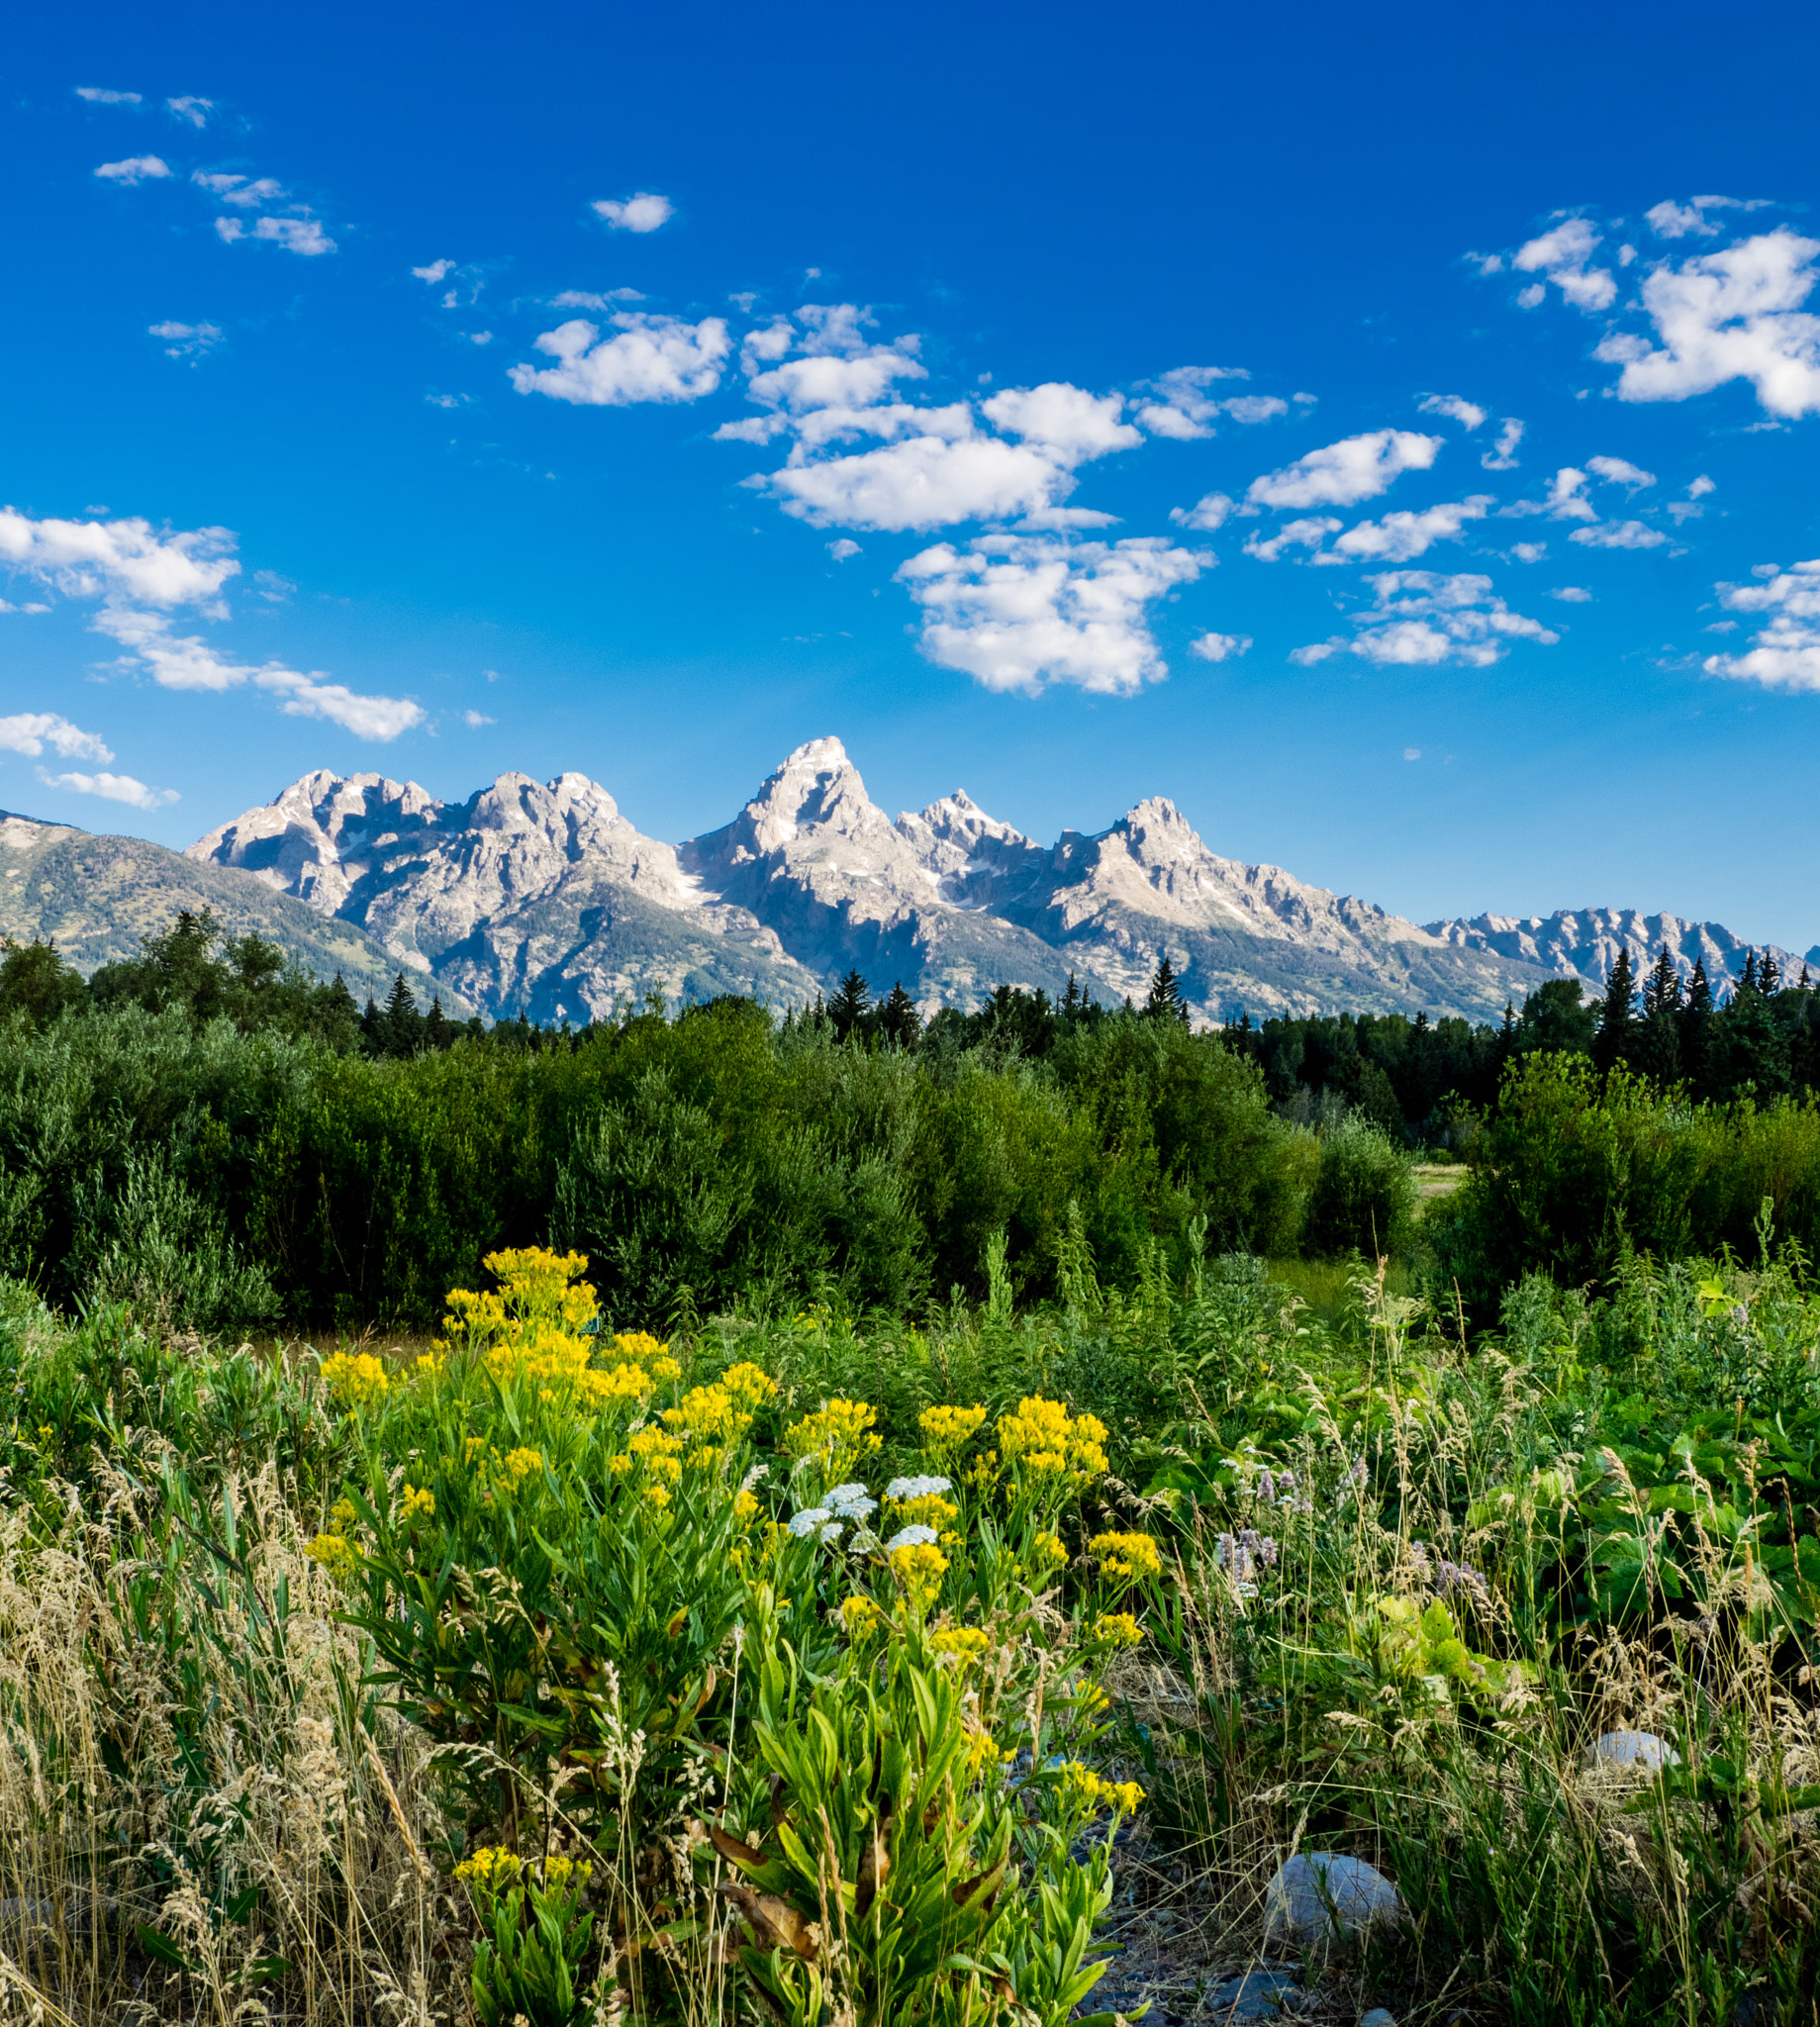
<point>1165,1001</point>
<point>1769,977</point>
<point>35,982</point>
<point>1615,1018</point>
<point>1663,992</point>
<point>898,1019</point>
<point>1071,1000</point>
<point>438,1031</point>
<point>847,1009</point>
<point>1748,983</point>
<point>400,1025</point>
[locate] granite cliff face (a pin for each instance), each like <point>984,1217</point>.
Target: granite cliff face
<point>542,897</point>
<point>1585,941</point>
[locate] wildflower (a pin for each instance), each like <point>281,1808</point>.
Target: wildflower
<point>916,1536</point>
<point>1451,1577</point>
<point>1243,1554</point>
<point>920,1567</point>
<point>1041,1439</point>
<point>492,1868</point>
<point>815,1524</point>
<point>961,1643</point>
<point>929,1507</point>
<point>918,1488</point>
<point>745,1505</point>
<point>839,1435</point>
<point>850,1501</point>
<point>416,1503</point>
<point>358,1378</point>
<point>946,1432</point>
<point>1082,1786</point>
<point>336,1554</point>
<point>559,1871</point>
<point>861,1616</point>
<point>518,1465</point>
<point>1127,1557</point>
<point>1118,1630</point>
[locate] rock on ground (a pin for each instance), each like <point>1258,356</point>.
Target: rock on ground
<point>1322,1897</point>
<point>1634,1749</point>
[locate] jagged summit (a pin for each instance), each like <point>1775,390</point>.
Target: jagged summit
<point>542,895</point>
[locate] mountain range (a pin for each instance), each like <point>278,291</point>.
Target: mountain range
<point>542,898</point>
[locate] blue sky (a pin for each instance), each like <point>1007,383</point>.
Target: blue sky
<point>1368,428</point>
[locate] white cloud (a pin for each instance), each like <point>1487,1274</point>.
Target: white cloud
<point>1689,509</point>
<point>1566,500</point>
<point>1422,618</point>
<point>1221,647</point>
<point>643,213</point>
<point>1455,407</point>
<point>238,190</point>
<point>1400,537</point>
<point>1258,408</point>
<point>1619,534</point>
<point>843,548</point>
<point>30,731</point>
<point>1561,254</point>
<point>186,341</point>
<point>1412,752</point>
<point>478,337</point>
<point>1785,653</point>
<point>192,111</point>
<point>1306,534</point>
<point>96,96</point>
<point>1340,474</point>
<point>450,400</point>
<point>301,234</point>
<point>922,482</point>
<point>1529,552</point>
<point>475,719</point>
<point>435,273</point>
<point>1730,315</point>
<point>114,788</point>
<point>593,299</point>
<point>1067,423</point>
<point>120,558</point>
<point>1701,487</point>
<point>1502,455</point>
<point>1670,221</point>
<point>137,168</point>
<point>1185,409</point>
<point>1019,612</point>
<point>1572,595</point>
<point>1210,512</point>
<point>652,358</point>
<point>1617,471</point>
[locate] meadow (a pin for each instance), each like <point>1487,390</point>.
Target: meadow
<point>703,1523</point>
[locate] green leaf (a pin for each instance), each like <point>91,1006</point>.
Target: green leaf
<point>164,1950</point>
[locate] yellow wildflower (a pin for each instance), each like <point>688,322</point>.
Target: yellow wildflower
<point>559,1871</point>
<point>358,1378</point>
<point>518,1465</point>
<point>492,1868</point>
<point>925,1509</point>
<point>861,1615</point>
<point>1082,1786</point>
<point>745,1503</point>
<point>946,1432</point>
<point>839,1434</point>
<point>920,1567</point>
<point>750,1385</point>
<point>416,1504</point>
<point>1041,1439</point>
<point>1127,1557</point>
<point>962,1643</point>
<point>1118,1630</point>
<point>336,1554</point>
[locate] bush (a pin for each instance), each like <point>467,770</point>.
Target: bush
<point>1364,1194</point>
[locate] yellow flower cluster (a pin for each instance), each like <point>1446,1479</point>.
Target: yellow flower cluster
<point>925,1509</point>
<point>1086,1788</point>
<point>919,1568</point>
<point>1043,1440</point>
<point>861,1616</point>
<point>838,1434</point>
<point>492,1868</point>
<point>559,1871</point>
<point>721,1413</point>
<point>357,1377</point>
<point>946,1432</point>
<point>415,1504</point>
<point>1118,1630</point>
<point>964,1643</point>
<point>745,1507</point>
<point>1128,1556</point>
<point>518,1465</point>
<point>332,1548</point>
<point>537,1289</point>
<point>656,1450</point>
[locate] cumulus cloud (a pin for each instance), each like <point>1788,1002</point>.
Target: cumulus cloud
<point>1455,407</point>
<point>1423,619</point>
<point>113,788</point>
<point>1306,534</point>
<point>1690,508</point>
<point>920,482</point>
<point>651,358</point>
<point>1067,423</point>
<point>1618,471</point>
<point>1400,537</point>
<point>595,299</point>
<point>643,212</point>
<point>96,96</point>
<point>1529,552</point>
<point>30,731</point>
<point>1572,594</point>
<point>1221,647</point>
<point>843,548</point>
<point>1022,611</point>
<point>1341,474</point>
<point>1185,409</point>
<point>299,234</point>
<point>193,112</point>
<point>1619,534</point>
<point>1563,255</point>
<point>186,341</point>
<point>1503,455</point>
<point>137,168</point>
<point>435,273</point>
<point>1210,512</point>
<point>1566,500</point>
<point>247,192</point>
<point>1730,315</point>
<point>1786,653</point>
<point>1670,221</point>
<point>475,719</point>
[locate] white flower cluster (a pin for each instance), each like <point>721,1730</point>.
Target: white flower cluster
<point>815,1522</point>
<point>850,1501</point>
<point>916,1487</point>
<point>911,1537</point>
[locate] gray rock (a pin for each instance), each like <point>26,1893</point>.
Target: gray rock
<point>1257,1995</point>
<point>1378,2017</point>
<point>1320,1896</point>
<point>1638,1749</point>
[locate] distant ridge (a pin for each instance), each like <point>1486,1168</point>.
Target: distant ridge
<point>542,898</point>
<point>1585,941</point>
<point>95,896</point>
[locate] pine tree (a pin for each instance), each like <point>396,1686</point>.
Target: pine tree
<point>1769,976</point>
<point>400,1025</point>
<point>898,1019</point>
<point>1748,983</point>
<point>847,1009</point>
<point>1071,1000</point>
<point>1165,1001</point>
<point>436,1029</point>
<point>1663,992</point>
<point>1615,1021</point>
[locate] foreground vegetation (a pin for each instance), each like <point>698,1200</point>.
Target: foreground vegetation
<point>806,1669</point>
